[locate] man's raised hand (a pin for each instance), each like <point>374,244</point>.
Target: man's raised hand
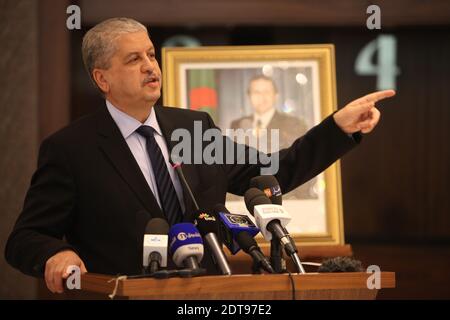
<point>361,114</point>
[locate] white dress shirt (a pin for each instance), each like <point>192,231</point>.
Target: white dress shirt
<point>263,119</point>
<point>137,144</point>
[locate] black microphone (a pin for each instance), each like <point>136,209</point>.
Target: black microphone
<point>271,219</point>
<point>238,231</point>
<point>208,226</point>
<point>177,167</point>
<point>250,246</point>
<point>155,245</point>
<point>270,186</point>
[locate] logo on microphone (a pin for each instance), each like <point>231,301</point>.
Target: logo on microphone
<point>271,210</point>
<point>241,220</point>
<point>155,239</point>
<point>184,236</point>
<point>206,217</point>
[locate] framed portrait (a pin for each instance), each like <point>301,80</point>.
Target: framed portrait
<point>286,88</point>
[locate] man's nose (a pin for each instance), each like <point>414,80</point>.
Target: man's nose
<point>148,65</point>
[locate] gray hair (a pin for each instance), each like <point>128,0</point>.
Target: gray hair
<point>99,42</point>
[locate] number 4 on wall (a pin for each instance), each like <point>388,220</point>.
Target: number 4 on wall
<point>386,70</point>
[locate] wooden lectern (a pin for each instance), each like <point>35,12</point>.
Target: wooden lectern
<point>316,286</point>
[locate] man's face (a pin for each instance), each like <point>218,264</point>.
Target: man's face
<point>262,95</point>
<point>134,75</point>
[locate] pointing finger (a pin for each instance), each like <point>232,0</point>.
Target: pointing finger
<point>371,98</point>
<point>379,95</point>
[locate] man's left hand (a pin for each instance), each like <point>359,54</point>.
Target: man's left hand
<point>361,114</point>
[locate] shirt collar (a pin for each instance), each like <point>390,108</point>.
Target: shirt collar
<point>264,118</point>
<point>127,124</point>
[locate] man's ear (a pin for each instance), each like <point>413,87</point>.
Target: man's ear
<point>100,79</point>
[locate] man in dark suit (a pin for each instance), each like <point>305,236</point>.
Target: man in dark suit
<point>101,179</point>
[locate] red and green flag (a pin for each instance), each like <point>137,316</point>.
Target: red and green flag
<point>203,91</point>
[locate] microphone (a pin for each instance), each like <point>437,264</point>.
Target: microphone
<point>250,246</point>
<point>233,224</point>
<point>186,245</point>
<point>208,226</point>
<point>272,219</point>
<point>155,245</point>
<point>177,167</point>
<point>270,186</point>
<point>238,231</point>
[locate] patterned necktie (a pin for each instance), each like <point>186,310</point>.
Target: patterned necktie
<point>166,191</point>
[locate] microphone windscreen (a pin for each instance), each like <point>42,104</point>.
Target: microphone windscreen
<point>254,197</point>
<point>206,222</point>
<point>341,264</point>
<point>185,241</point>
<point>270,186</point>
<point>157,226</point>
<point>181,234</point>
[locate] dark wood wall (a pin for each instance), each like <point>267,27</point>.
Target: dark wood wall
<point>396,184</point>
<point>328,13</point>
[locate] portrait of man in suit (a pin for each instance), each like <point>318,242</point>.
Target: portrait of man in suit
<point>263,95</point>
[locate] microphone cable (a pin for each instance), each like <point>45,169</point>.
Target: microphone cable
<point>292,284</point>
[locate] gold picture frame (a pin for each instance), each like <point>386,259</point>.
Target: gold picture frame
<point>179,63</point>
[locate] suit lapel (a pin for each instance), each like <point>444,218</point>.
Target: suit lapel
<point>274,123</point>
<point>116,150</point>
<point>168,123</point>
